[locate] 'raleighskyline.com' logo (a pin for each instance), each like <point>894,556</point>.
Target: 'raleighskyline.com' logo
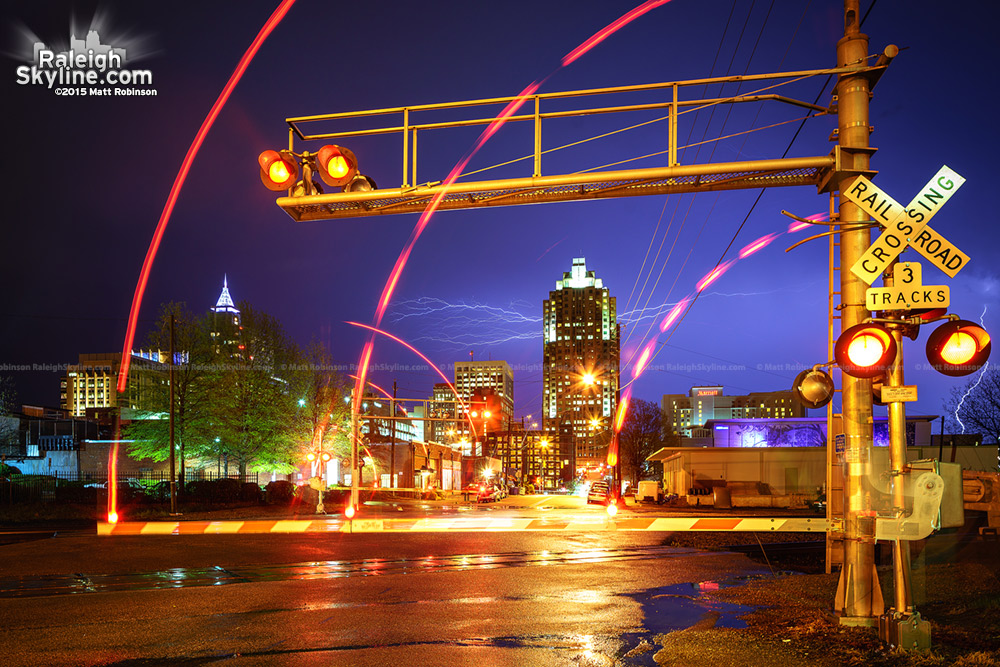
<point>81,69</point>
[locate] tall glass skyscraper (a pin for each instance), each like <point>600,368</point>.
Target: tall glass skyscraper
<point>580,364</point>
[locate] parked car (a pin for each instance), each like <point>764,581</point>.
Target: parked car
<point>489,491</point>
<point>599,492</point>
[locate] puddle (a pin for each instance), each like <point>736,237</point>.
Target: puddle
<point>679,607</point>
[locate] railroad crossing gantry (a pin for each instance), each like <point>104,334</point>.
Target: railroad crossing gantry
<point>673,178</point>
<point>859,597</point>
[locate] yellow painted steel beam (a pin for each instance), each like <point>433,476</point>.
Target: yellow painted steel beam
<point>295,121</point>
<point>681,179</point>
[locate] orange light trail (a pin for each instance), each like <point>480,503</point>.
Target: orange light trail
<point>113,480</point>
<point>384,392</point>
<point>412,349</point>
<point>679,308</point>
<point>199,138</point>
<point>622,409</point>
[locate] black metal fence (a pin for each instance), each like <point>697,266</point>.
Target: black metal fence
<point>91,487</point>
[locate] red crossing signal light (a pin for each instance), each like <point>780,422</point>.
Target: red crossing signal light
<point>865,350</point>
<point>337,165</point>
<point>958,348</point>
<point>278,171</point>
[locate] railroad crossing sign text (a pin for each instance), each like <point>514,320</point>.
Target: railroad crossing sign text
<point>907,226</point>
<point>908,293</point>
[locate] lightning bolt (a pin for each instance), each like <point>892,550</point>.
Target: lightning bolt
<point>969,391</point>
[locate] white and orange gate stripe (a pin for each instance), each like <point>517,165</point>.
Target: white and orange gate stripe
<point>662,524</point>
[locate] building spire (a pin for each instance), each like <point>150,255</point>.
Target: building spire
<point>225,303</point>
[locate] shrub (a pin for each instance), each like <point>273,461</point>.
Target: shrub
<point>226,490</point>
<point>336,497</point>
<point>279,492</point>
<point>200,490</point>
<point>75,492</point>
<point>250,492</point>
<point>529,489</point>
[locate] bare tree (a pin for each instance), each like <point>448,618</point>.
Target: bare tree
<point>641,435</point>
<point>977,405</point>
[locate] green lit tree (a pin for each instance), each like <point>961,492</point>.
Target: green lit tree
<point>150,430</point>
<point>252,398</point>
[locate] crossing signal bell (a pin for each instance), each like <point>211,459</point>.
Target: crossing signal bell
<point>813,387</point>
<point>278,171</point>
<point>865,350</point>
<point>958,347</point>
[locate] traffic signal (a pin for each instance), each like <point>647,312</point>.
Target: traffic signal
<point>323,456</point>
<point>865,350</point>
<point>813,387</point>
<point>278,171</point>
<point>958,347</point>
<point>337,165</point>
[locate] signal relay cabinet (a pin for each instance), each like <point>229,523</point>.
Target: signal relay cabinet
<point>649,490</point>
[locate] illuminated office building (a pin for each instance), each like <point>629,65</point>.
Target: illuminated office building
<point>581,351</point>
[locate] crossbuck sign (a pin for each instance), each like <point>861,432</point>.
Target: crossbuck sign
<point>907,226</point>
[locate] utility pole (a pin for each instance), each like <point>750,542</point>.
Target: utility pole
<point>859,597</point>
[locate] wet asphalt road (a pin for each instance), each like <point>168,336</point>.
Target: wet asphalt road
<point>363,599</point>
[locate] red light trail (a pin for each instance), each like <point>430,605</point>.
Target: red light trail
<point>610,29</point>
<point>161,226</point>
